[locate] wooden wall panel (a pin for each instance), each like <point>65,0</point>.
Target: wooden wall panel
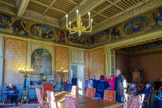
<point>151,63</point>
<point>97,63</point>
<point>86,63</point>
<point>123,63</point>
<point>15,57</point>
<point>62,60</point>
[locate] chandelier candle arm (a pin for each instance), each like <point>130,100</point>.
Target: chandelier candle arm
<point>89,14</point>
<point>80,27</point>
<point>77,11</point>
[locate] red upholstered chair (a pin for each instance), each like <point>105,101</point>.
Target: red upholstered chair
<point>109,95</point>
<point>51,99</point>
<point>91,92</point>
<point>42,103</point>
<point>71,102</point>
<point>74,90</point>
<point>136,101</point>
<point>160,89</point>
<point>47,86</point>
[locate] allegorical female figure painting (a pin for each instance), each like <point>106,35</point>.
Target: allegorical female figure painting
<point>41,62</point>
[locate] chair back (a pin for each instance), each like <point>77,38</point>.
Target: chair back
<point>160,89</point>
<point>71,102</point>
<point>74,90</point>
<point>109,95</point>
<point>51,99</point>
<point>39,96</point>
<point>91,92</point>
<point>47,86</point>
<point>136,101</point>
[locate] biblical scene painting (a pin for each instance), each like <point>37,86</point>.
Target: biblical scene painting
<point>60,36</point>
<point>115,33</point>
<point>100,37</point>
<point>20,27</point>
<point>41,62</point>
<point>76,39</point>
<point>157,15</point>
<point>136,25</point>
<point>41,31</point>
<point>5,21</point>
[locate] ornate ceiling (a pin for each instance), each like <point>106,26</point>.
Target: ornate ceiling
<point>105,13</point>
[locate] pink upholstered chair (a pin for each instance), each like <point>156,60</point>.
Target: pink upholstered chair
<point>51,99</point>
<point>109,95</point>
<point>91,92</point>
<point>42,103</point>
<point>47,86</point>
<point>74,90</point>
<point>136,101</point>
<point>71,102</point>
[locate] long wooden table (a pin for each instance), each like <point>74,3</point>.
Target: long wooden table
<point>85,102</point>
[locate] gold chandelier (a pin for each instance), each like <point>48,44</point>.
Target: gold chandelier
<point>80,28</point>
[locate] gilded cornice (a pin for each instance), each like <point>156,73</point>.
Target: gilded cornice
<point>39,18</point>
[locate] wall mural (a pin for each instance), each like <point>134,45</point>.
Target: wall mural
<point>20,27</point>
<point>132,27</point>
<point>136,25</point>
<point>41,31</point>
<point>5,21</point>
<point>41,62</point>
<point>28,29</point>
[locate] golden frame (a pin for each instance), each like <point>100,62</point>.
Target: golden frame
<point>149,26</point>
<point>53,30</point>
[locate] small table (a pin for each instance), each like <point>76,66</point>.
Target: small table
<point>85,102</point>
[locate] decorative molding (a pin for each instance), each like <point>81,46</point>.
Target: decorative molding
<point>39,18</point>
<point>1,46</point>
<point>144,7</point>
<point>76,56</point>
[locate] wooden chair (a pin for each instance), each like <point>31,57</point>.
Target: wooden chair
<point>91,92</point>
<point>51,99</point>
<point>47,86</point>
<point>160,89</point>
<point>74,90</point>
<point>71,102</point>
<point>136,101</point>
<point>109,95</point>
<point>41,101</point>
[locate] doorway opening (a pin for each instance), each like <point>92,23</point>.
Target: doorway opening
<point>78,70</point>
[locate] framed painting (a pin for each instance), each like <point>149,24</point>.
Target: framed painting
<point>137,76</point>
<point>41,62</point>
<point>137,25</point>
<point>41,31</point>
<point>5,21</point>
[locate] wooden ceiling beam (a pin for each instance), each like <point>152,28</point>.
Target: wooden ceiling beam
<point>102,10</point>
<point>74,2</point>
<point>100,14</point>
<point>21,6</point>
<point>5,3</point>
<point>49,6</point>
<point>45,5</point>
<point>115,4</point>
